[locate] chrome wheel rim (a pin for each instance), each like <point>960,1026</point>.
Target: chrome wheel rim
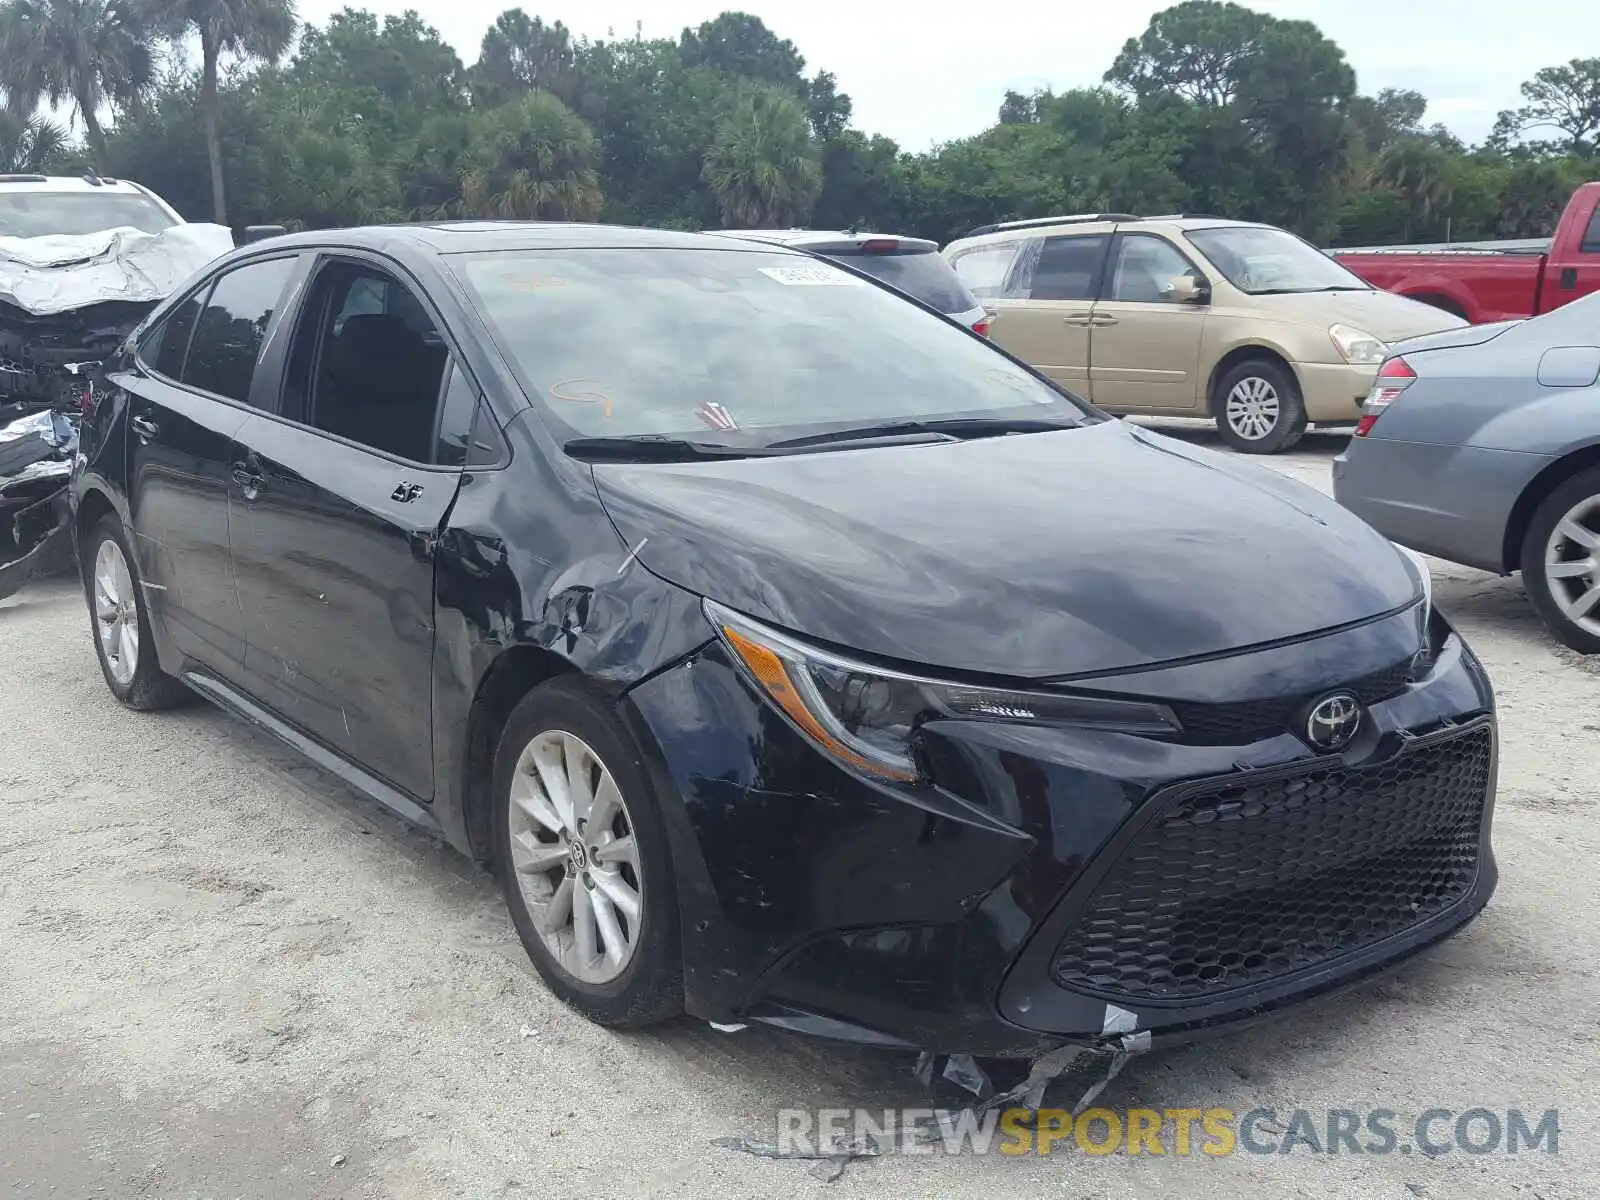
<point>576,862</point>
<point>1252,408</point>
<point>1572,565</point>
<point>116,613</point>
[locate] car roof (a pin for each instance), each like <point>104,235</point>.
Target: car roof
<point>828,239</point>
<point>63,184</point>
<point>459,237</point>
<point>1101,222</point>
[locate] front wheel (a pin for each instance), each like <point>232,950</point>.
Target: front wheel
<point>122,638</point>
<point>1561,561</point>
<point>1258,407</point>
<point>582,853</point>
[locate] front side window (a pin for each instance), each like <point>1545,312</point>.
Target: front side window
<point>732,346</point>
<point>1264,261</point>
<point>1591,236</point>
<point>1145,268</point>
<point>983,269</point>
<point>232,326</point>
<point>367,364</point>
<point>166,346</point>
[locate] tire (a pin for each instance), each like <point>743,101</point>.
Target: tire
<point>564,722</point>
<point>1552,595</point>
<point>130,666</point>
<point>1264,388</point>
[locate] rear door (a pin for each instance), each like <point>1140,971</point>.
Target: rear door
<point>1144,340</point>
<point>190,391</point>
<point>1044,314</point>
<point>339,500</point>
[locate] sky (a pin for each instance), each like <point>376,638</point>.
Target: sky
<point>934,70</point>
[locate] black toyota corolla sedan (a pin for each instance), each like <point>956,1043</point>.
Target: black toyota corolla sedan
<point>792,653</point>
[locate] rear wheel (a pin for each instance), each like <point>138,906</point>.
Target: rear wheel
<point>1258,407</point>
<point>122,638</point>
<point>582,855</point>
<point>1561,561</point>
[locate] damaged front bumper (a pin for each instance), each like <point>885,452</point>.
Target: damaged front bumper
<point>36,455</point>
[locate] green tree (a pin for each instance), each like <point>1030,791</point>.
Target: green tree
<point>530,159</point>
<point>246,29</point>
<point>522,54</point>
<point>90,52</point>
<point>762,165</point>
<point>31,144</point>
<point>1565,99</point>
<point>1195,50</point>
<point>736,43</point>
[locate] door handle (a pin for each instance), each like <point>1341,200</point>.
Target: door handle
<point>146,429</point>
<point>1079,318</point>
<point>1100,319</point>
<point>1569,278</point>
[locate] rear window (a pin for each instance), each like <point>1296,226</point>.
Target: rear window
<point>924,275</point>
<point>39,214</point>
<point>629,342</point>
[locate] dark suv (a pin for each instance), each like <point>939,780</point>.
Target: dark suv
<point>794,654</point>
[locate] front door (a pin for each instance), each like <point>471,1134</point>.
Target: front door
<point>188,394</point>
<point>1145,338</point>
<point>1044,315</point>
<point>338,505</point>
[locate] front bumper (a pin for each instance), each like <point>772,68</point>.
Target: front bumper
<point>813,898</point>
<point>1335,392</point>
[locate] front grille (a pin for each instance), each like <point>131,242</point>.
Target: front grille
<point>1236,724</point>
<point>1238,882</point>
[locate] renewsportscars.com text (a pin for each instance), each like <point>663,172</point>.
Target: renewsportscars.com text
<point>1178,1132</point>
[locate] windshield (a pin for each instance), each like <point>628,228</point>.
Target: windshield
<point>1257,260</point>
<point>925,275</point>
<point>38,214</point>
<point>734,347</point>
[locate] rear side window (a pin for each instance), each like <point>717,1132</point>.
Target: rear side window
<point>165,346</point>
<point>232,326</point>
<point>983,269</point>
<point>1591,236</point>
<point>1061,268</point>
<point>924,275</point>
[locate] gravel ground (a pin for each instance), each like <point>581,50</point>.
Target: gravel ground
<point>222,974</point>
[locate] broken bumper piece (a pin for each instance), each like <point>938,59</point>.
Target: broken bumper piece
<point>36,453</point>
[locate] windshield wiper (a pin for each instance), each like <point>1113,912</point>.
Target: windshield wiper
<point>653,447</point>
<point>954,428</point>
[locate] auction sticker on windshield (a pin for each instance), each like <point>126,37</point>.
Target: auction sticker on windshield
<point>808,276</point>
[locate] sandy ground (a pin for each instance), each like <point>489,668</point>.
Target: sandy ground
<point>222,974</point>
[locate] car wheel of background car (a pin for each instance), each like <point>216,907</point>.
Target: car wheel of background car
<point>1561,561</point>
<point>122,639</point>
<point>1258,407</point>
<point>583,862</point>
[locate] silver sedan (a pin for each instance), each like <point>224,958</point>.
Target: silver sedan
<point>1482,446</point>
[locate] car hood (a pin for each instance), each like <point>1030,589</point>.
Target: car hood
<point>1382,314</point>
<point>1032,556</point>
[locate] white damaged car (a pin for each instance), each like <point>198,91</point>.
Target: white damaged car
<point>82,260</point>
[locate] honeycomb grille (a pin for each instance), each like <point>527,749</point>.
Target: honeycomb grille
<point>1251,720</point>
<point>1240,882</point>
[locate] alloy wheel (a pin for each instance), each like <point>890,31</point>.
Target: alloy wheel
<point>576,862</point>
<point>1252,408</point>
<point>1572,564</point>
<point>116,612</point>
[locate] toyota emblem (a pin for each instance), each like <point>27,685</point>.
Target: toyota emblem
<point>1333,721</point>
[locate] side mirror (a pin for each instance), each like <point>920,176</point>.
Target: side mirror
<point>259,233</point>
<point>1186,289</point>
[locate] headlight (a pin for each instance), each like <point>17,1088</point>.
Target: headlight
<point>1357,345</point>
<point>866,715</point>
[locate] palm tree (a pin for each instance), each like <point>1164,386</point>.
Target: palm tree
<point>531,159</point>
<point>762,164</point>
<point>29,145</point>
<point>89,52</point>
<point>260,29</point>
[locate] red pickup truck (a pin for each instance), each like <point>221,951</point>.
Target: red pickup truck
<point>1494,281</point>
